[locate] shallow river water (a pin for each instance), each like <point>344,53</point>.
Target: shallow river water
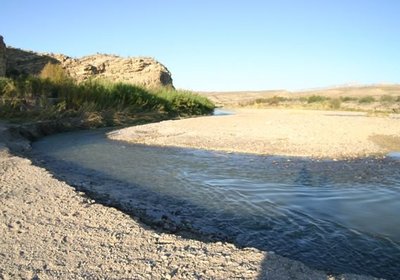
<point>339,216</point>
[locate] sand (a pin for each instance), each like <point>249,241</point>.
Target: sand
<point>48,230</point>
<point>302,133</point>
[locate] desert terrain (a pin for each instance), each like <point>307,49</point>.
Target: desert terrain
<point>287,132</point>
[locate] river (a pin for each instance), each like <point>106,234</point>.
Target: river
<point>339,216</point>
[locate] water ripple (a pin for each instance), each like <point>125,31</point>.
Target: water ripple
<point>337,216</point>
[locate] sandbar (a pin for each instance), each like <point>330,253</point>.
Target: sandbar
<point>281,132</point>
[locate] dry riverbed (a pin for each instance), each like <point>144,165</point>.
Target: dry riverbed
<point>48,230</point>
<point>318,134</point>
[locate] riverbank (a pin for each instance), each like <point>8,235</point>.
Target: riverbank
<point>49,230</point>
<point>302,133</point>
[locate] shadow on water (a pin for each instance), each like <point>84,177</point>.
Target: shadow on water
<point>269,224</point>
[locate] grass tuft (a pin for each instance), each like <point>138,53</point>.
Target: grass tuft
<point>347,98</point>
<point>275,100</point>
<point>366,100</point>
<point>335,103</point>
<point>387,99</point>
<point>316,98</point>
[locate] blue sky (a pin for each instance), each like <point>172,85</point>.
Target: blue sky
<point>223,45</point>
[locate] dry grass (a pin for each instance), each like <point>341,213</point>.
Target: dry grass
<point>372,99</point>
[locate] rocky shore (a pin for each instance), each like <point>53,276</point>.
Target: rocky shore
<point>51,231</point>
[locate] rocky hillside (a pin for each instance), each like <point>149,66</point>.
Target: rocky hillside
<point>2,57</point>
<point>142,71</point>
<point>26,62</point>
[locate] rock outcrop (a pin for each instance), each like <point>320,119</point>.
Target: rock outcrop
<point>143,71</point>
<point>26,62</point>
<point>2,57</point>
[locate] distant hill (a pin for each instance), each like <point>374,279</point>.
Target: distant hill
<point>238,98</point>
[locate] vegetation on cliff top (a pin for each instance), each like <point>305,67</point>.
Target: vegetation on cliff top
<point>53,96</point>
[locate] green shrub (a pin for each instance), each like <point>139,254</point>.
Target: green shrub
<point>366,100</point>
<point>3,82</point>
<point>275,100</point>
<point>335,103</point>
<point>347,98</point>
<point>387,99</point>
<point>185,103</point>
<point>303,99</point>
<point>259,101</point>
<point>316,98</point>
<point>45,98</point>
<point>54,72</point>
